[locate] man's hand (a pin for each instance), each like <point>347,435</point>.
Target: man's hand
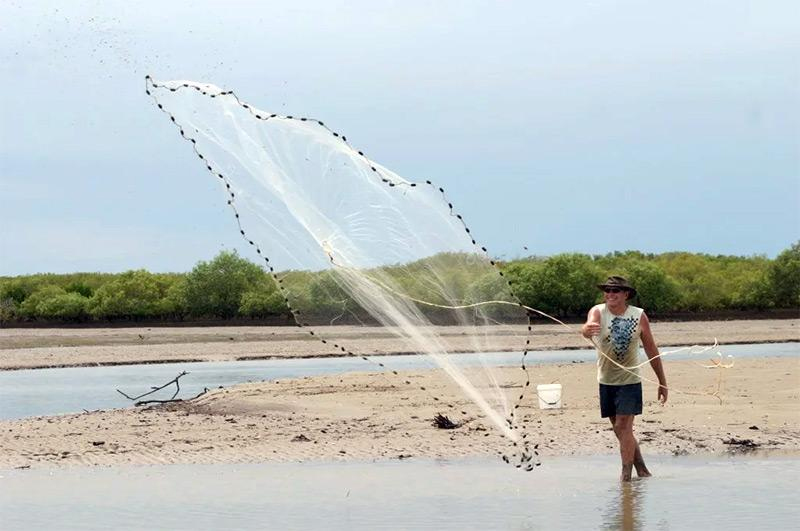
<point>662,393</point>
<point>590,329</point>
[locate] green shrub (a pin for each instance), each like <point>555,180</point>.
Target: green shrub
<point>657,292</point>
<point>566,284</point>
<point>784,276</point>
<point>67,306</point>
<point>9,311</point>
<point>30,306</point>
<point>215,288</point>
<point>133,294</point>
<point>263,300</point>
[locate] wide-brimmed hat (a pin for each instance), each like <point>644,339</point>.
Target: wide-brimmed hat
<point>619,282</point>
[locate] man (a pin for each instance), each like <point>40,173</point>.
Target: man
<point>619,327</point>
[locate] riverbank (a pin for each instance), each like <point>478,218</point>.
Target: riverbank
<point>57,347</point>
<point>365,416</point>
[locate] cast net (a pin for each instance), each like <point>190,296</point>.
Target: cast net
<point>349,241</point>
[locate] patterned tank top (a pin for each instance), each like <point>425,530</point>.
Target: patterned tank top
<point>619,339</point>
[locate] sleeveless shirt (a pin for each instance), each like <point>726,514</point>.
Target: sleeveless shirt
<point>619,339</point>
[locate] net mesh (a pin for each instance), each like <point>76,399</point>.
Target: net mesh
<point>348,240</point>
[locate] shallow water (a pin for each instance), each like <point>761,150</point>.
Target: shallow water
<point>564,493</point>
<point>55,391</point>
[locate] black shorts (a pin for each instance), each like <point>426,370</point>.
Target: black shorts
<point>620,400</point>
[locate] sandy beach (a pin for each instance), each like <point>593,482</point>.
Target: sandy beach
<point>365,416</point>
<point>376,416</point>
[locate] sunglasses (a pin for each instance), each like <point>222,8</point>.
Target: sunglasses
<point>612,290</point>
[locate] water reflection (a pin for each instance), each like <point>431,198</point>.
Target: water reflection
<point>566,493</point>
<point>624,509</point>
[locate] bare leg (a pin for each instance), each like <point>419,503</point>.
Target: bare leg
<point>638,460</point>
<point>623,429</point>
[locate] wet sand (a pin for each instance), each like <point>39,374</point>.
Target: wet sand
<point>55,347</point>
<point>364,416</point>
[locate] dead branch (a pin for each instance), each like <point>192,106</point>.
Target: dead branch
<point>154,389</point>
<point>171,400</point>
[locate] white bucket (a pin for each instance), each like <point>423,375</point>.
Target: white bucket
<point>549,396</point>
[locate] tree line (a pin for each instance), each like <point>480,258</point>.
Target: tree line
<point>230,287</point>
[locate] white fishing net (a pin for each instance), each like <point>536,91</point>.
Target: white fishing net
<point>348,240</point>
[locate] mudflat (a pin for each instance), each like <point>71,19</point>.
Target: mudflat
<point>60,347</point>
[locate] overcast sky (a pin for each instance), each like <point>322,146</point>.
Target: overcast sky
<point>553,126</point>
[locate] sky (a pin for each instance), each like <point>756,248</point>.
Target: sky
<point>553,126</point>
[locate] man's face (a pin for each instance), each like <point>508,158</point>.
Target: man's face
<point>615,296</point>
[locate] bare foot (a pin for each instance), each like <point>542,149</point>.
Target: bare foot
<point>641,469</point>
<point>626,473</point>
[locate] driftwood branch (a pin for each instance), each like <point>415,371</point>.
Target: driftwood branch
<point>174,381</point>
<point>146,402</point>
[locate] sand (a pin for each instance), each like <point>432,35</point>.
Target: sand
<point>366,416</point>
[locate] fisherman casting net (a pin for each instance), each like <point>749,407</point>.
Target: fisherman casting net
<point>349,241</point>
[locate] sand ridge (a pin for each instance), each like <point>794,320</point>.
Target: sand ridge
<point>368,416</point>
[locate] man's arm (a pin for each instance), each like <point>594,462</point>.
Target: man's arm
<point>651,349</point>
<point>592,325</point>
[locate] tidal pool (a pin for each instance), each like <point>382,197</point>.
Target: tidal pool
<point>28,393</point>
<point>564,493</point>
